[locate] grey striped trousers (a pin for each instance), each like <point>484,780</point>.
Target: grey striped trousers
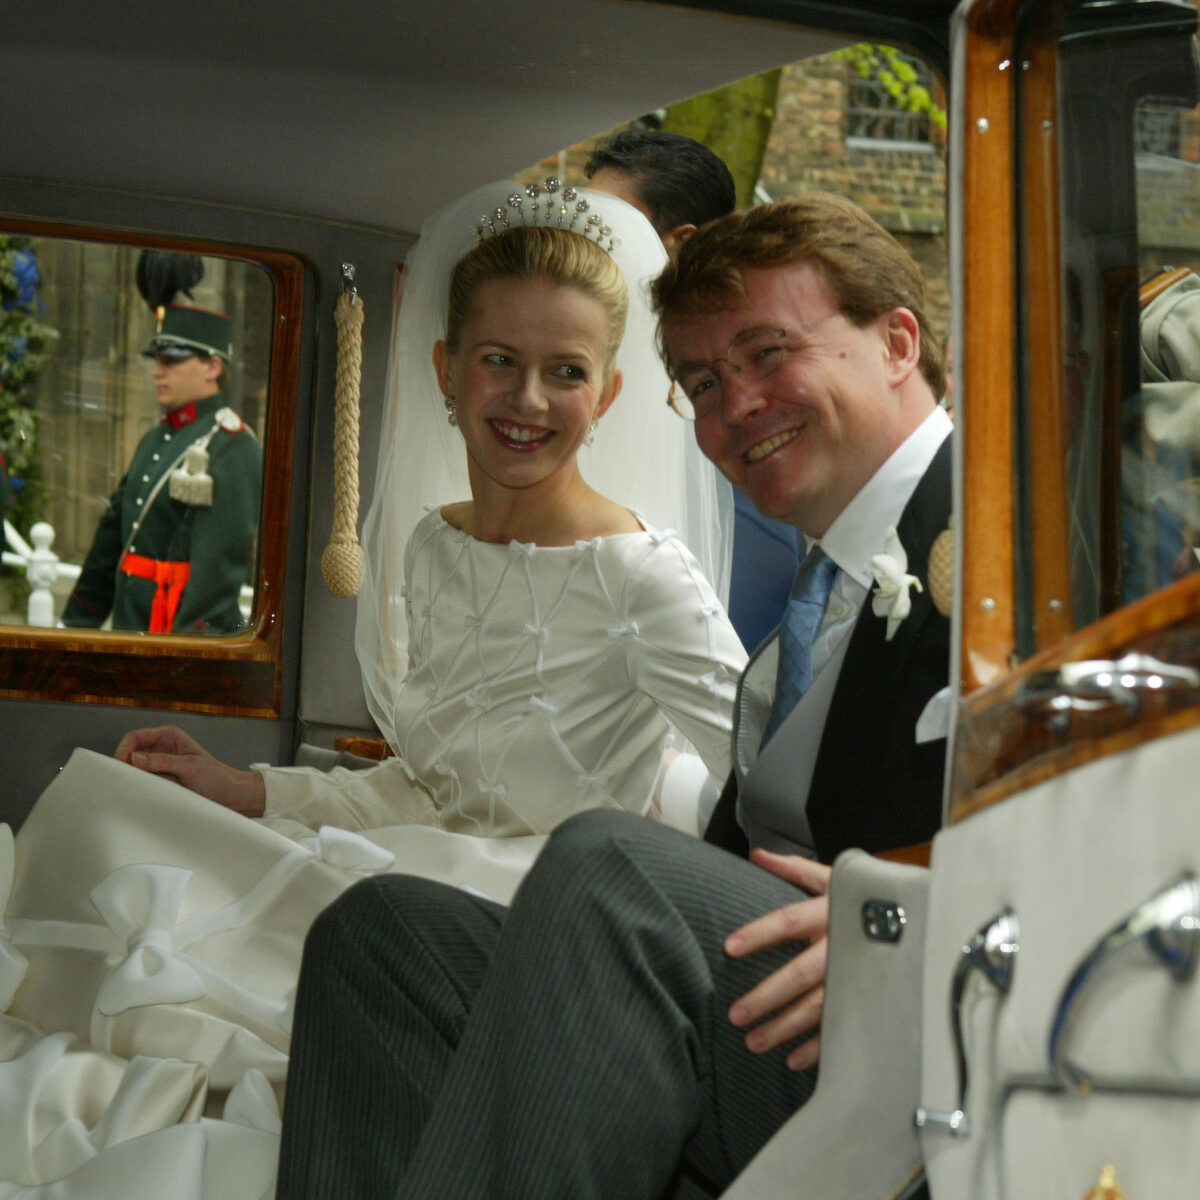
<point>575,1046</point>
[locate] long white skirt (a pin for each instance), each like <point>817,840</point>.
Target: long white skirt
<point>149,953</point>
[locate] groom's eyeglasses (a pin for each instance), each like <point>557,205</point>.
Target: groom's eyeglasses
<point>697,391</point>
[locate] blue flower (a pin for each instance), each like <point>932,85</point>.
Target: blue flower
<point>17,348</point>
<point>28,276</point>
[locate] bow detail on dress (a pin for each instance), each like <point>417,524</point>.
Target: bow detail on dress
<point>141,905</point>
<point>348,850</point>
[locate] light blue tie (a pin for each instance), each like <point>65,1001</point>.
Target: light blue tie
<point>801,621</point>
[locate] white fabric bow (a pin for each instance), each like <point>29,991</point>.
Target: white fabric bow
<point>892,581</point>
<point>141,905</point>
<point>348,850</point>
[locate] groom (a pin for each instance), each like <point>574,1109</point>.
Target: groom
<point>642,1019</point>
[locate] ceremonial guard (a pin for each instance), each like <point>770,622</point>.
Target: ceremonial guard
<point>172,551</point>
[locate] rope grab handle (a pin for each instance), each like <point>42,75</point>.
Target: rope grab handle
<point>342,562</point>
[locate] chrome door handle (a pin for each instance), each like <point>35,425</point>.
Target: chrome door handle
<point>1168,924</point>
<point>1098,683</point>
<point>993,953</point>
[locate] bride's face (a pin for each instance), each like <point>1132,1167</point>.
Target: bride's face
<point>529,375</point>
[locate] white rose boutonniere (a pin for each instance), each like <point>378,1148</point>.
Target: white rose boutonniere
<point>892,581</point>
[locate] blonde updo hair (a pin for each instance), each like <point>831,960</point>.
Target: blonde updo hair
<point>537,252</point>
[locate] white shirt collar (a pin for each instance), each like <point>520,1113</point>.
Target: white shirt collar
<point>860,529</point>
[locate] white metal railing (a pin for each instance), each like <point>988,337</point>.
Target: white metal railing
<point>43,568</point>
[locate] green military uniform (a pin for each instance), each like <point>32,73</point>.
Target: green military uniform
<point>168,565</point>
<point>215,541</point>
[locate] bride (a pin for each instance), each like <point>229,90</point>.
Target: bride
<point>557,641</point>
<point>554,635</point>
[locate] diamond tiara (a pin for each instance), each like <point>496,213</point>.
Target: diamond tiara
<point>551,206</point>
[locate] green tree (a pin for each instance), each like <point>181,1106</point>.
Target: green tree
<point>896,75</point>
<point>735,123</point>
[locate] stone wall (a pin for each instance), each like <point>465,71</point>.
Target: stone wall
<point>1168,213</point>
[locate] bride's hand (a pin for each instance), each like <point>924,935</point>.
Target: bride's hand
<point>167,751</point>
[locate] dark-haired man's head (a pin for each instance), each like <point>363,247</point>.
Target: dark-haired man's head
<point>676,182</point>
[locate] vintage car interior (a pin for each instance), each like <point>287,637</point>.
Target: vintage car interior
<point>317,140</point>
<point>279,142</point>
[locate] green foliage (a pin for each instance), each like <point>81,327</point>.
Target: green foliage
<point>25,342</point>
<point>734,122</point>
<point>896,75</point>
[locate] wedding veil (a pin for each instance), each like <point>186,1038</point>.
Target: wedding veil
<point>643,455</point>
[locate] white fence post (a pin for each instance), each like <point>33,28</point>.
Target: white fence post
<point>41,569</point>
<point>41,566</point>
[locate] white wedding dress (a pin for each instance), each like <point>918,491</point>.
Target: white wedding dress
<point>151,939</point>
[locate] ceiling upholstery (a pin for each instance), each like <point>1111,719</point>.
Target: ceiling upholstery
<point>374,113</point>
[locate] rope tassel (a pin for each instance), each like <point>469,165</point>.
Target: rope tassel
<point>342,562</point>
<point>190,481</point>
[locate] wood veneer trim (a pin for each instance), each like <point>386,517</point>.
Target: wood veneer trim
<point>1042,339</point>
<point>998,750</point>
<point>912,856</point>
<point>1154,287</point>
<point>988,311</point>
<point>1070,757</point>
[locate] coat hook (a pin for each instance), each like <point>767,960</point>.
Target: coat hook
<point>348,282</point>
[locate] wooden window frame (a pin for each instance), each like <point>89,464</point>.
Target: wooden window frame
<point>1004,742</point>
<point>240,674</point>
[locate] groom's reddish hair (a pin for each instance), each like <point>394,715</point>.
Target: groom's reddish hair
<point>866,269</point>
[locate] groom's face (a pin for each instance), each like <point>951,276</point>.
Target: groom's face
<point>803,437</point>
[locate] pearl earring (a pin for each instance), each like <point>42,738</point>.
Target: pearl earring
<point>591,433</point>
<point>451,411</point>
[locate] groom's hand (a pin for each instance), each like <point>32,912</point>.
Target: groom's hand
<point>792,997</point>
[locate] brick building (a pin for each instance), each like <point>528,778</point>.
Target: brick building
<point>837,132</point>
<point>834,131</point>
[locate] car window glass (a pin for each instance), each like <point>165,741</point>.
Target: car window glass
<point>1160,435</point>
<point>80,399</point>
<point>1128,152</point>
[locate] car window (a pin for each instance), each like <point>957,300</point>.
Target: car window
<point>80,397</point>
<point>1117,435</point>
